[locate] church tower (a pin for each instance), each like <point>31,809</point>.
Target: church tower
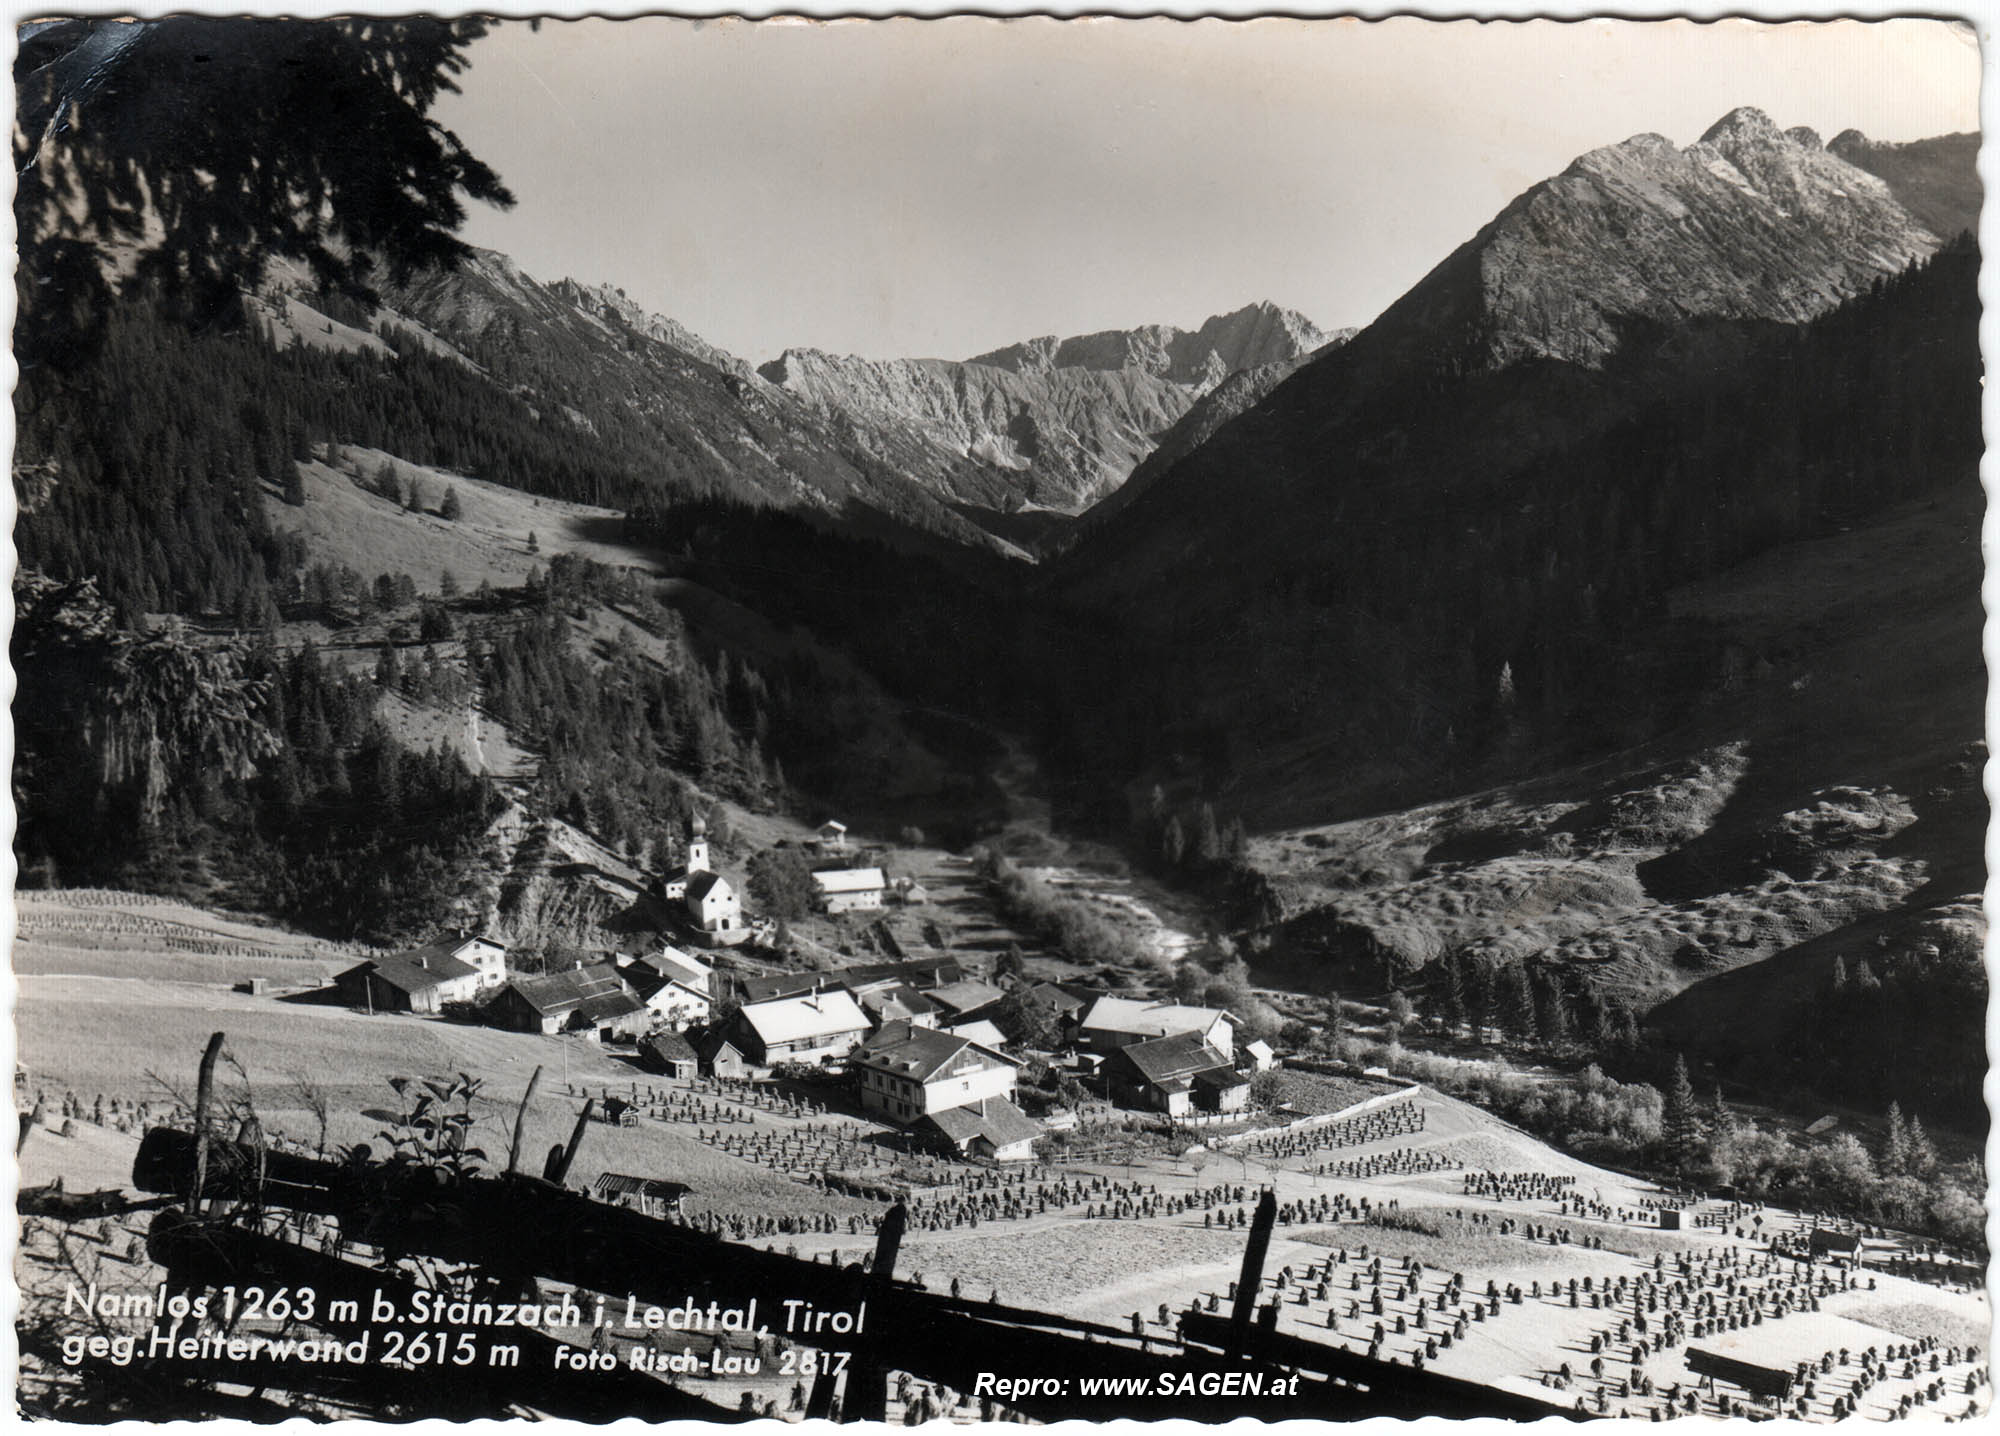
<point>697,845</point>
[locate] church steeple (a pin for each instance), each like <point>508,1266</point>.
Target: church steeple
<point>697,844</point>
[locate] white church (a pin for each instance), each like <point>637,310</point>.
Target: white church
<point>705,895</point>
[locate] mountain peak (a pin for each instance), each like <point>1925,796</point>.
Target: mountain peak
<point>1745,122</point>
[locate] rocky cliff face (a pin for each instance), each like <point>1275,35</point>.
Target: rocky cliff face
<point>1070,418</point>
<point>697,419</point>
<point>1749,222</point>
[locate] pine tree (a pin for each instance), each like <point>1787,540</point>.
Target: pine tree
<point>1334,1018</point>
<point>295,486</point>
<point>1719,1119</point>
<point>1896,1144</point>
<point>534,543</point>
<point>1924,1157</point>
<point>1552,1014</point>
<point>1451,999</point>
<point>1681,1119</point>
<point>450,509</point>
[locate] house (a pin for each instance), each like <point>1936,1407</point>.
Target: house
<point>424,979</point>
<point>906,1072</point>
<point>1115,1022</point>
<point>673,1001</point>
<point>1066,1007</point>
<point>589,997</point>
<point>669,1054</point>
<point>1256,1056</point>
<point>832,835</point>
<point>718,1055</point>
<point>969,995</point>
<point>682,967</point>
<point>888,1002</point>
<point>849,889</point>
<point>981,1031</point>
<point>1824,1242</point>
<point>909,892</point>
<point>923,972</point>
<point>1176,1075</point>
<point>808,1028</point>
<point>996,1130</point>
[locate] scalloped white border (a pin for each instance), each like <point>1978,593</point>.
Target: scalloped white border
<point>1981,16</point>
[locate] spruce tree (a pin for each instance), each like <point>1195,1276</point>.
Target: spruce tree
<point>1924,1157</point>
<point>1681,1119</point>
<point>1451,997</point>
<point>1896,1144</point>
<point>450,508</point>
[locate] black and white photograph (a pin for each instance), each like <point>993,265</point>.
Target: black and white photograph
<point>957,720</point>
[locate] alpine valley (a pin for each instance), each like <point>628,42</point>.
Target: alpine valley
<point>1606,610</point>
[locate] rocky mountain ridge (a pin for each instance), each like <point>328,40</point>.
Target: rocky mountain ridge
<point>695,418</point>
<point>1749,222</point>
<point>1072,418</point>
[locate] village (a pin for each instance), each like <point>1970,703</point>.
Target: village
<point>921,1044</point>
<point>788,1101</point>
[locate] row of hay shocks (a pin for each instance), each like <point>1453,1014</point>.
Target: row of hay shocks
<point>1399,1119</point>
<point>114,1113</point>
<point>708,1101</point>
<point>515,1229</point>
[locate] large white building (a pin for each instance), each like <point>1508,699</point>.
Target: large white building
<point>907,1072</point>
<point>850,889</point>
<point>810,1027</point>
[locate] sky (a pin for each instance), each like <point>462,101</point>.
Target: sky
<point>912,188</point>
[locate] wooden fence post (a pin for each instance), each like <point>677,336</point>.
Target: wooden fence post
<point>1253,1271</point>
<point>561,1172</point>
<point>521,1122</point>
<point>204,1094</point>
<point>867,1383</point>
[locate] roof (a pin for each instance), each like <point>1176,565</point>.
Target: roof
<point>1142,1017</point>
<point>595,990</point>
<point>1047,994</point>
<point>405,973</point>
<point>676,966</point>
<point>966,995</point>
<point>785,984</point>
<point>1258,1047</point>
<point>982,1032</point>
<point>920,1053</point>
<point>711,1044</point>
<point>618,1184</point>
<point>1165,1059</point>
<point>1000,1122</point>
<point>900,1000</point>
<point>670,1047</point>
<point>835,824</point>
<point>919,970</point>
<point>815,1014</point>
<point>700,885</point>
<point>850,880</point>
